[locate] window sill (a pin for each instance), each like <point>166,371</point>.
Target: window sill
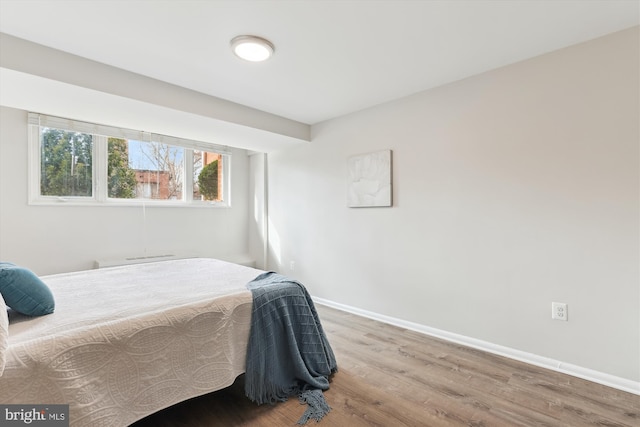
<point>70,201</point>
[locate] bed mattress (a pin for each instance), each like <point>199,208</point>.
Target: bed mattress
<point>125,342</point>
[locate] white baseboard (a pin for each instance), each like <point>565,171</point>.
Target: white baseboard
<point>522,356</point>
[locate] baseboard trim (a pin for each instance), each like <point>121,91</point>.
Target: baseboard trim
<point>522,356</point>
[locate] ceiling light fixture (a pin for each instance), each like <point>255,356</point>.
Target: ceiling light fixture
<point>252,48</point>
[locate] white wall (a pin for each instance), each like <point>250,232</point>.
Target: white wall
<point>52,239</point>
<point>257,209</point>
<point>512,189</point>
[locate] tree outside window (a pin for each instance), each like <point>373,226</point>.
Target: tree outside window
<point>122,179</point>
<point>66,163</point>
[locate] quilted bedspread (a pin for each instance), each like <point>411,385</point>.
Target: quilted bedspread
<point>125,342</point>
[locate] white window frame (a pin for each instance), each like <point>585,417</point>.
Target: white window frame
<point>101,134</point>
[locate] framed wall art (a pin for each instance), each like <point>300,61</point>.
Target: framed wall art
<point>369,180</point>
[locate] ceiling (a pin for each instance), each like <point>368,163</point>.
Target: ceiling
<point>332,57</point>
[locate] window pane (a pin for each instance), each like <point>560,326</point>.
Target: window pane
<point>158,170</point>
<point>65,163</point>
<point>207,176</point>
<point>121,178</point>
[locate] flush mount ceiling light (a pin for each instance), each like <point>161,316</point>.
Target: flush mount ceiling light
<point>252,48</point>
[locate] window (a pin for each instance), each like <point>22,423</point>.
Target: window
<point>83,163</point>
<point>66,160</point>
<point>145,170</point>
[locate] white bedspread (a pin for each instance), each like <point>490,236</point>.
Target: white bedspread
<point>125,342</point>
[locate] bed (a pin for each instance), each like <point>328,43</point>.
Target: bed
<point>125,342</point>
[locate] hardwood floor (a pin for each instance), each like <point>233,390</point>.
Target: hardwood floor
<point>389,376</point>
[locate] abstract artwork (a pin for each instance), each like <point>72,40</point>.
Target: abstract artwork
<point>369,180</point>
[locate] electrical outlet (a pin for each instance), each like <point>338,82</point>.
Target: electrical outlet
<point>559,311</point>
<point>292,265</point>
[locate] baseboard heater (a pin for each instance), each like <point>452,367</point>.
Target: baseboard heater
<point>136,260</point>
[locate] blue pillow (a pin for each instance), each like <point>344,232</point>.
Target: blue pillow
<point>24,292</point>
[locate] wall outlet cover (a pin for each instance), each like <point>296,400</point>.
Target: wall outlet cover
<point>559,311</point>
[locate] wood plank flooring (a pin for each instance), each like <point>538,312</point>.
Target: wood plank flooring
<point>393,377</point>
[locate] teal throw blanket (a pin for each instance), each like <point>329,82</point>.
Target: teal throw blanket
<point>288,353</point>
